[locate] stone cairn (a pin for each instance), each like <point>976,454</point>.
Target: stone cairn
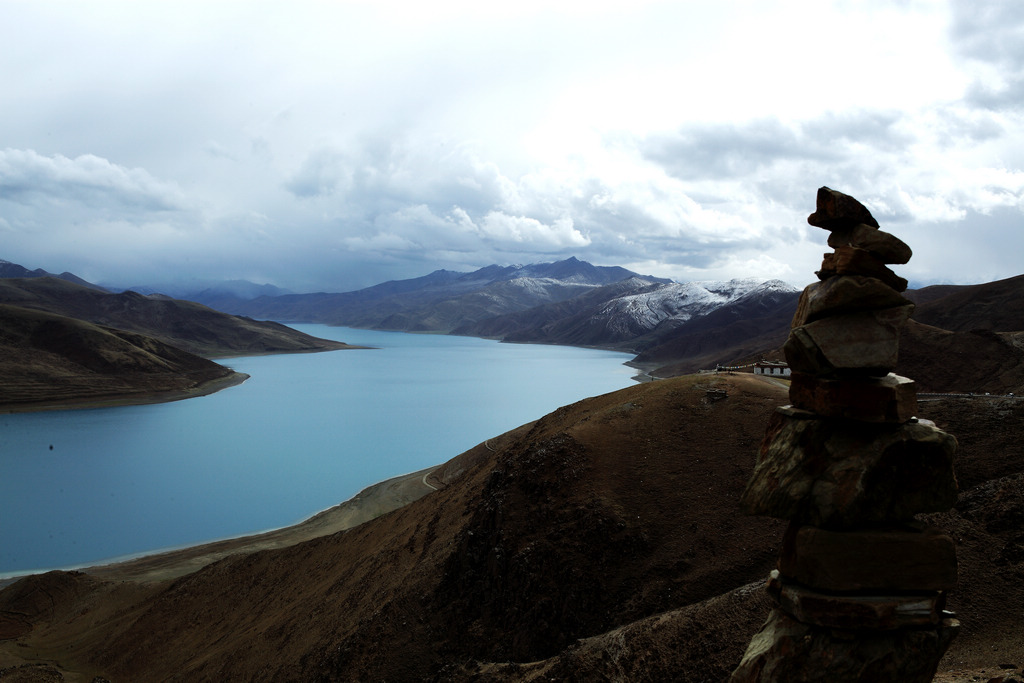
<point>860,589</point>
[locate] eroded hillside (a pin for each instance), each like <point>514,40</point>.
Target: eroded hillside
<point>602,542</point>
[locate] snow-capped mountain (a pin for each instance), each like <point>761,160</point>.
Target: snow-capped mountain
<point>681,301</point>
<point>636,312</point>
<point>567,302</point>
<point>441,301</point>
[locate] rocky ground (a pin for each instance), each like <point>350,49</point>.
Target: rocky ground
<point>600,543</point>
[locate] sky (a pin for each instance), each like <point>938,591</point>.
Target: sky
<point>329,146</point>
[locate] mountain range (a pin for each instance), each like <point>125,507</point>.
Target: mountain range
<point>13,270</point>
<point>602,542</point>
<point>566,302</point>
<point>443,301</point>
<point>961,338</point>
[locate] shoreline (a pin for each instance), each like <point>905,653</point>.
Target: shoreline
<point>369,503</point>
<point>204,388</point>
<point>170,563</point>
<point>142,398</point>
<point>341,346</point>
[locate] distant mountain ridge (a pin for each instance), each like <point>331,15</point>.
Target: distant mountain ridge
<point>210,293</point>
<point>442,301</point>
<point>13,270</point>
<point>673,328</point>
<point>569,302</point>
<point>638,313</point>
<point>997,306</point>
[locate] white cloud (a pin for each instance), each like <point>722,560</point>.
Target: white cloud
<point>27,177</point>
<point>337,145</point>
<point>502,228</point>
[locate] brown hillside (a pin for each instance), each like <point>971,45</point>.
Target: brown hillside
<point>53,360</point>
<point>184,324</point>
<point>977,361</point>
<point>997,306</point>
<point>600,543</point>
<point>606,511</point>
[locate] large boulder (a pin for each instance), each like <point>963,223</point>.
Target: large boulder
<point>843,475</point>
<point>873,399</point>
<point>864,341</point>
<point>879,560</point>
<point>788,650</point>
<point>845,294</point>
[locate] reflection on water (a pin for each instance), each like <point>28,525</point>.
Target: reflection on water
<point>305,432</point>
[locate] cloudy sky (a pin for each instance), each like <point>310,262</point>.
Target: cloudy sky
<point>334,145</point>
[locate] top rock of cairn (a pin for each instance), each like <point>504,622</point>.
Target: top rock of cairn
<point>838,211</point>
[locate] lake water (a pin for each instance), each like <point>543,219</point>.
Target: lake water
<point>305,432</point>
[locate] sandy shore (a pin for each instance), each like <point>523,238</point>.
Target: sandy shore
<point>369,503</point>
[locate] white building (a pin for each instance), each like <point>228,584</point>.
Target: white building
<point>767,367</point>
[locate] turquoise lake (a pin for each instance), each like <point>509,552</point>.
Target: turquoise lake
<point>304,433</point>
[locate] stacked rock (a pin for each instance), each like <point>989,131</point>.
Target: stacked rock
<point>861,585</point>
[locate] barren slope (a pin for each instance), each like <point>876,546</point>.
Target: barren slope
<point>600,543</point>
<point>52,360</point>
<point>604,512</point>
<point>184,324</point>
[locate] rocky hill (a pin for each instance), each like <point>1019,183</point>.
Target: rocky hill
<point>183,324</point>
<point>602,542</point>
<point>55,361</point>
<point>997,306</point>
<point>65,344</point>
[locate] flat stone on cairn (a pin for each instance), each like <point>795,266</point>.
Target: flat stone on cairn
<point>786,649</point>
<point>856,612</point>
<point>883,246</point>
<point>838,211</point>
<point>845,294</point>
<point>842,474</point>
<point>853,261</point>
<point>866,341</point>
<point>875,559</point>
<point>870,399</point>
<point>861,587</point>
